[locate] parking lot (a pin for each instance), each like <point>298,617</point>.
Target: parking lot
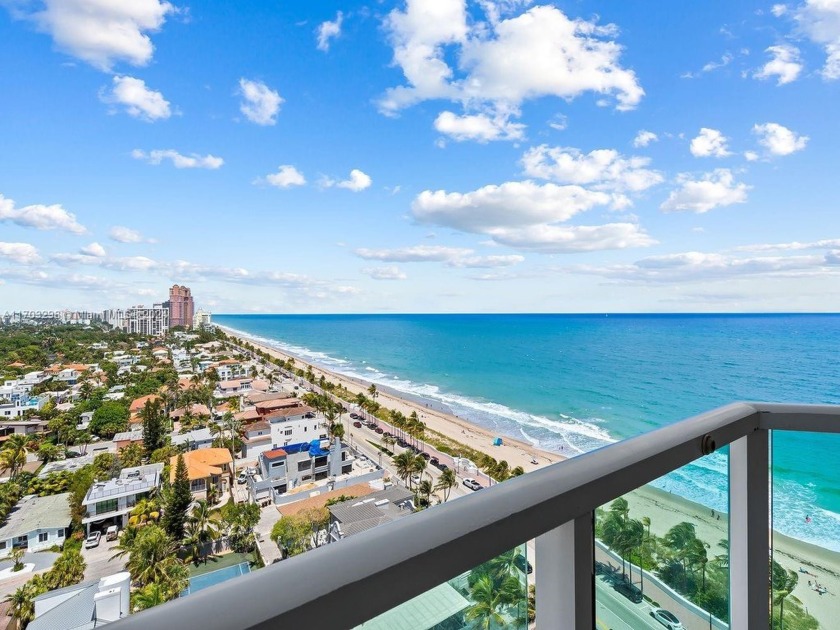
<point>97,560</point>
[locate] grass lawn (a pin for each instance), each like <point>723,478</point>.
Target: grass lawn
<point>220,562</point>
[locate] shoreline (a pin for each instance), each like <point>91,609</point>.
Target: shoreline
<point>664,508</point>
<point>514,451</point>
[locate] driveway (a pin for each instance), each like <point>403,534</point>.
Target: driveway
<point>43,560</point>
<point>98,560</point>
<point>269,550</point>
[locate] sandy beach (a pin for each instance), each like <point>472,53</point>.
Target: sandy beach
<point>666,510</point>
<point>663,508</point>
<point>514,452</point>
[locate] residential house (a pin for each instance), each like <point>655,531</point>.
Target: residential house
<point>84,606</point>
<point>36,523</point>
<point>109,502</point>
<point>138,404</point>
<point>357,515</point>
<point>230,369</point>
<point>256,438</point>
<point>12,410</point>
<point>191,440</point>
<point>123,439</point>
<point>196,410</point>
<point>295,424</point>
<point>21,427</point>
<point>206,468</point>
<point>226,389</point>
<point>266,407</point>
<point>281,470</point>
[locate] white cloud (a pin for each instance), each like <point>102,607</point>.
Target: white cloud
<point>452,256</point>
<point>644,138</point>
<point>569,239</point>
<point>357,182</point>
<point>603,169</point>
<point>100,32</point>
<point>700,266</point>
<point>417,253</point>
<point>508,204</point>
<point>750,156</point>
<point>784,64</point>
<point>40,217</point>
<point>260,103</point>
<point>479,127</point>
<point>385,273</point>
<point>497,65</point>
<point>123,234</point>
<point>524,215</point>
<point>713,190</point>
<point>778,10</point>
<point>285,177</point>
<point>820,21</point>
<point>709,143</point>
<point>329,30</point>
<point>138,100</point>
<point>193,160</point>
<point>711,66</point>
<point>831,243</point>
<point>779,140</point>
<point>21,253</point>
<point>93,249</point>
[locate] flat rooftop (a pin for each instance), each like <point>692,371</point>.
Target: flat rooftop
<point>131,481</point>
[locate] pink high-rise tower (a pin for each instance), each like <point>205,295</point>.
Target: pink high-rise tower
<point>180,307</point>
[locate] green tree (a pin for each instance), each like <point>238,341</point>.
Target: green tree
<point>491,600</point>
<point>13,455</point>
<point>154,426</point>
<point>180,498</point>
<point>22,605</point>
<point>110,418</point>
<point>404,463</point>
<point>292,535</point>
<point>131,455</point>
<point>151,548</point>
<point>783,582</point>
<point>446,482</point>
<point>202,528</point>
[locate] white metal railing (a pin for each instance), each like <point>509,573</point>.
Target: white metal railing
<point>343,585</point>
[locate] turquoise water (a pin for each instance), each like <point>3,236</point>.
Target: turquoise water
<point>572,383</point>
<point>206,580</point>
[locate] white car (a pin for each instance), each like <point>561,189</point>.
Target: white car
<point>472,484</point>
<point>93,540</point>
<point>667,619</point>
<point>415,479</point>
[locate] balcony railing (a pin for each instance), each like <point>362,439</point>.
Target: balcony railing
<point>346,584</point>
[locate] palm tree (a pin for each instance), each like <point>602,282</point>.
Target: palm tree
<point>783,584</point>
<point>21,600</point>
<point>151,547</point>
<point>404,463</point>
<point>491,600</point>
<point>202,528</point>
<point>424,489</point>
<point>697,555</point>
<point>446,482</point>
<point>150,596</point>
<point>13,455</point>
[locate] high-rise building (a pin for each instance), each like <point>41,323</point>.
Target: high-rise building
<point>147,321</point>
<point>181,307</point>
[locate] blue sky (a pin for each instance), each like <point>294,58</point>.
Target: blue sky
<point>421,156</point>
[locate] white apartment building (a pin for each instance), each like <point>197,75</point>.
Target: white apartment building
<point>139,319</point>
<point>109,502</point>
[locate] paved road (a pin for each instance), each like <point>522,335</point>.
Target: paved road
<point>43,561</point>
<point>98,560</point>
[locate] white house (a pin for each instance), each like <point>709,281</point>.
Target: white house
<point>109,502</point>
<point>36,523</point>
<point>16,409</point>
<point>294,425</point>
<point>86,605</point>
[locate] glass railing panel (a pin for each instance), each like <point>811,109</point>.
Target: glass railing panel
<point>805,568</point>
<point>493,595</point>
<point>661,552</point>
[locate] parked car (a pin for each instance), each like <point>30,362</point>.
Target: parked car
<point>112,532</point>
<point>357,424</point>
<point>425,455</point>
<point>93,540</point>
<point>629,591</point>
<point>379,429</point>
<point>472,484</point>
<point>522,564</point>
<point>242,478</point>
<point>667,619</point>
<point>354,416</point>
<point>434,462</point>
<point>415,479</point>
<point>443,467</point>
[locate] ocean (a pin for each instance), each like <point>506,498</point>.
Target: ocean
<point>572,383</point>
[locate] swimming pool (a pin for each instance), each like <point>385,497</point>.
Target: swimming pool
<point>212,578</point>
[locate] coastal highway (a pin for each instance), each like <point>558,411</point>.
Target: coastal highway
<point>613,611</point>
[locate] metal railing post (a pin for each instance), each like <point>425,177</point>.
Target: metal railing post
<point>749,532</point>
<point>565,559</point>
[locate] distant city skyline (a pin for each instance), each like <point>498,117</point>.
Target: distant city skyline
<point>420,156</point>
